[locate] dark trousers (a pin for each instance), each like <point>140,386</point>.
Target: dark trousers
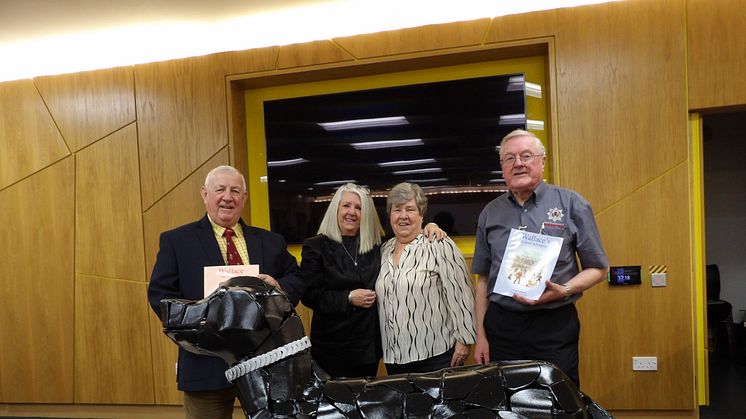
<point>337,370</point>
<point>546,335</point>
<point>433,363</point>
<point>210,404</point>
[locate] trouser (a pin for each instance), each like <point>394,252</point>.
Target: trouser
<point>216,404</point>
<point>433,363</point>
<point>547,335</point>
<point>336,370</point>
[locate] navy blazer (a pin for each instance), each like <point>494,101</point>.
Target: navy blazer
<point>179,273</point>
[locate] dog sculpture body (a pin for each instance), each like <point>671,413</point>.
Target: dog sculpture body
<point>255,329</point>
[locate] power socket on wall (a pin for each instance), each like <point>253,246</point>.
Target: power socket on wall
<point>645,363</point>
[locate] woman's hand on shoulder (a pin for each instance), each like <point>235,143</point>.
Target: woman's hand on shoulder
<point>433,232</point>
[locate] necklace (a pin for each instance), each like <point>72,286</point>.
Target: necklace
<point>354,260</point>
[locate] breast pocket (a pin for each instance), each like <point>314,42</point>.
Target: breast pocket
<point>564,231</point>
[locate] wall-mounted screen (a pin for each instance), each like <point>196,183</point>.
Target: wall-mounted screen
<point>443,136</point>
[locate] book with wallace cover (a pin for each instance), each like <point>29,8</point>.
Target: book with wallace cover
<point>214,275</point>
<point>528,262</point>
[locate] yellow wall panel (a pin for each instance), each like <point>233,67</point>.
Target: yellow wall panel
<point>648,227</point>
<point>36,284</point>
<point>108,212</point>
<point>717,55</point>
<point>424,38</point>
<point>29,140</point>
<point>112,363</point>
<point>90,105</point>
<point>317,52</point>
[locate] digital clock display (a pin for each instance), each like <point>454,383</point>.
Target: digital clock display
<point>624,275</point>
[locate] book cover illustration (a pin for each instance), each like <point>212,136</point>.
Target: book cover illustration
<point>528,262</point>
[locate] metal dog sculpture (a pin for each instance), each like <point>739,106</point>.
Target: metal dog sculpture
<point>255,329</point>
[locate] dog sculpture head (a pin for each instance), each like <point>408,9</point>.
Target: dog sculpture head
<point>243,318</point>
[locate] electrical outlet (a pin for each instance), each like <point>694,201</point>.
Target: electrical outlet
<point>645,363</point>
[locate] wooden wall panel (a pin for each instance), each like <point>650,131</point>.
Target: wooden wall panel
<point>622,63</point>
<point>512,27</point>
<point>621,322</point>
<point>600,74</point>
<point>423,38</point>
<point>716,53</point>
<point>36,284</point>
<point>312,53</point>
<point>108,213</point>
<point>29,140</point>
<point>181,121</point>
<point>180,206</point>
<point>89,105</point>
<point>181,114</point>
<point>112,363</point>
<point>241,62</point>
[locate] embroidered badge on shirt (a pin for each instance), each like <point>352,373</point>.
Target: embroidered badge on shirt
<point>555,214</point>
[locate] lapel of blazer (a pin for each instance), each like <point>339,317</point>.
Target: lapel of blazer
<point>209,243</point>
<point>253,243</point>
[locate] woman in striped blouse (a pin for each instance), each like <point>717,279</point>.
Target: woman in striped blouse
<point>424,291</point>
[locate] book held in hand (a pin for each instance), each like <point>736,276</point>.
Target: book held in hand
<point>214,275</point>
<point>528,262</point>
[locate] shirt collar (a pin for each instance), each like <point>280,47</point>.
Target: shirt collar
<point>536,195</point>
<point>219,230</point>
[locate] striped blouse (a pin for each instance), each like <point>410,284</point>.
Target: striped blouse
<point>425,304</point>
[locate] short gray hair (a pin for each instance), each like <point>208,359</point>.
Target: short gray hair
<point>404,192</point>
<point>224,169</point>
<point>370,225</point>
<point>523,133</point>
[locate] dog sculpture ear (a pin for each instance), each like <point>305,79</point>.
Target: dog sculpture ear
<point>276,306</point>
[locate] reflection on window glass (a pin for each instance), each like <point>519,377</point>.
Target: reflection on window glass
<point>443,136</point>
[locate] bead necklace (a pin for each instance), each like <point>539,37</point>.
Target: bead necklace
<point>354,260</point>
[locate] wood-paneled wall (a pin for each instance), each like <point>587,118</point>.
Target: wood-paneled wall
<point>95,165</point>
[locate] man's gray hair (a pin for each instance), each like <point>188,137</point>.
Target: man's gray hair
<point>523,133</point>
<point>224,169</point>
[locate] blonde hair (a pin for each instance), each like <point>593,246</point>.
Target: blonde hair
<point>370,226</point>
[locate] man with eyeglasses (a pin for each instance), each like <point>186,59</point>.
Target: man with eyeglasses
<point>515,328</point>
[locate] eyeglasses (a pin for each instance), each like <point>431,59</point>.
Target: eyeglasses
<point>525,159</point>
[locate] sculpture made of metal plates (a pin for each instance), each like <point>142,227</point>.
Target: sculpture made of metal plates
<point>254,328</point>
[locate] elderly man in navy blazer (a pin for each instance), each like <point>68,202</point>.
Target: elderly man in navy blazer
<point>179,273</point>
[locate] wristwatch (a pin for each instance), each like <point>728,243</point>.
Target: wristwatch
<point>567,291</point>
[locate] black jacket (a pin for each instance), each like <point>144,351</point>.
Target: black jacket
<point>340,332</point>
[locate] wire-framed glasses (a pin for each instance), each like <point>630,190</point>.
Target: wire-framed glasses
<point>525,158</point>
